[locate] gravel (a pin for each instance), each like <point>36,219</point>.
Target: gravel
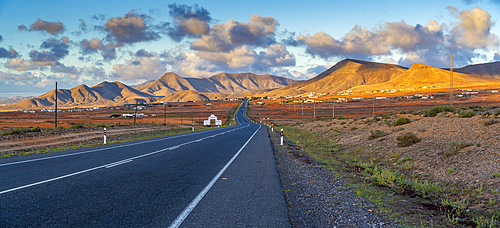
<point>316,197</point>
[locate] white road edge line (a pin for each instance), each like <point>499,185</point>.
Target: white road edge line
<point>90,151</point>
<point>111,164</point>
<point>178,221</point>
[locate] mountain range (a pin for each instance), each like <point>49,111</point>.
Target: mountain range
<point>169,87</point>
<point>348,74</point>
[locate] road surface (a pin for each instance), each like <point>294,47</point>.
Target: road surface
<point>225,177</point>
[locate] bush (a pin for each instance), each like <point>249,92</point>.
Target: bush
<point>401,121</point>
<point>407,139</point>
<point>77,126</point>
<point>490,122</point>
<point>453,147</point>
<point>17,130</point>
<point>467,114</point>
<point>35,129</point>
<point>376,134</point>
<point>438,109</point>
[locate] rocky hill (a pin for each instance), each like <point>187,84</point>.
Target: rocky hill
<point>344,75</point>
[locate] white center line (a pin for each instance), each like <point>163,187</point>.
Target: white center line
<point>178,221</point>
<point>95,150</point>
<point>114,163</point>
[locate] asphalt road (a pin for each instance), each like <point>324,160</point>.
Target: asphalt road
<point>225,177</point>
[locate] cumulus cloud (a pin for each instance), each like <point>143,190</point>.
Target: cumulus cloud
<point>18,77</point>
<point>242,58</point>
<point>130,28</point>
<point>59,47</point>
<point>258,32</point>
<point>245,58</point>
<point>94,45</point>
<point>188,21</point>
<point>428,43</point>
<point>140,68</point>
<point>19,65</point>
<point>189,64</point>
<point>69,70</point>
<point>474,29</point>
<point>144,53</point>
<point>497,56</point>
<point>53,28</point>
<point>58,50</point>
<point>43,58</point>
<point>297,75</point>
<point>8,54</point>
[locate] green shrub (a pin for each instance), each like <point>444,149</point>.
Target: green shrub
<point>438,109</point>
<point>407,139</point>
<point>77,126</point>
<point>467,114</point>
<point>453,147</point>
<point>490,122</point>
<point>35,129</point>
<point>376,134</point>
<point>17,130</point>
<point>401,121</point>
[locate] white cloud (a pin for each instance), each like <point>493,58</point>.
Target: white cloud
<point>140,68</point>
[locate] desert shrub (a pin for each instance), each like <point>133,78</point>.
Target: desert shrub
<point>17,130</point>
<point>453,147</point>
<point>77,126</point>
<point>388,178</point>
<point>490,122</point>
<point>467,114</point>
<point>438,109</point>
<point>35,129</point>
<point>497,112</point>
<point>477,108</point>
<point>407,139</point>
<point>376,134</point>
<point>401,121</point>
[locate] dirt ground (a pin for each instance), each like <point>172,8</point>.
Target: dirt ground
<point>470,172</point>
<point>293,112</point>
<point>176,113</point>
<point>179,115</point>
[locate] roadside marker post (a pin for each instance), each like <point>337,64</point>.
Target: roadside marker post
<point>272,127</point>
<point>282,136</point>
<point>104,135</point>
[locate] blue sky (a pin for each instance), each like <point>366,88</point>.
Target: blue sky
<point>89,42</point>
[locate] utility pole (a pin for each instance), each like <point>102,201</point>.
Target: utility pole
<point>333,111</point>
<point>373,107</point>
<point>302,108</point>
<point>135,116</point>
<point>314,110</point>
<point>55,122</point>
<point>451,79</point>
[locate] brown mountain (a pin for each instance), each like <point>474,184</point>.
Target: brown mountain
<point>191,95</point>
<point>344,75</point>
<point>105,93</point>
<point>225,83</point>
<point>13,99</point>
<point>420,75</point>
<point>487,70</point>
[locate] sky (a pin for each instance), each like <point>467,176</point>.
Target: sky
<point>87,42</point>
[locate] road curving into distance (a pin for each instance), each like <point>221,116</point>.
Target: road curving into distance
<point>225,177</point>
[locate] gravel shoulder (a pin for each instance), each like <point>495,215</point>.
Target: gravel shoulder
<point>317,197</point>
